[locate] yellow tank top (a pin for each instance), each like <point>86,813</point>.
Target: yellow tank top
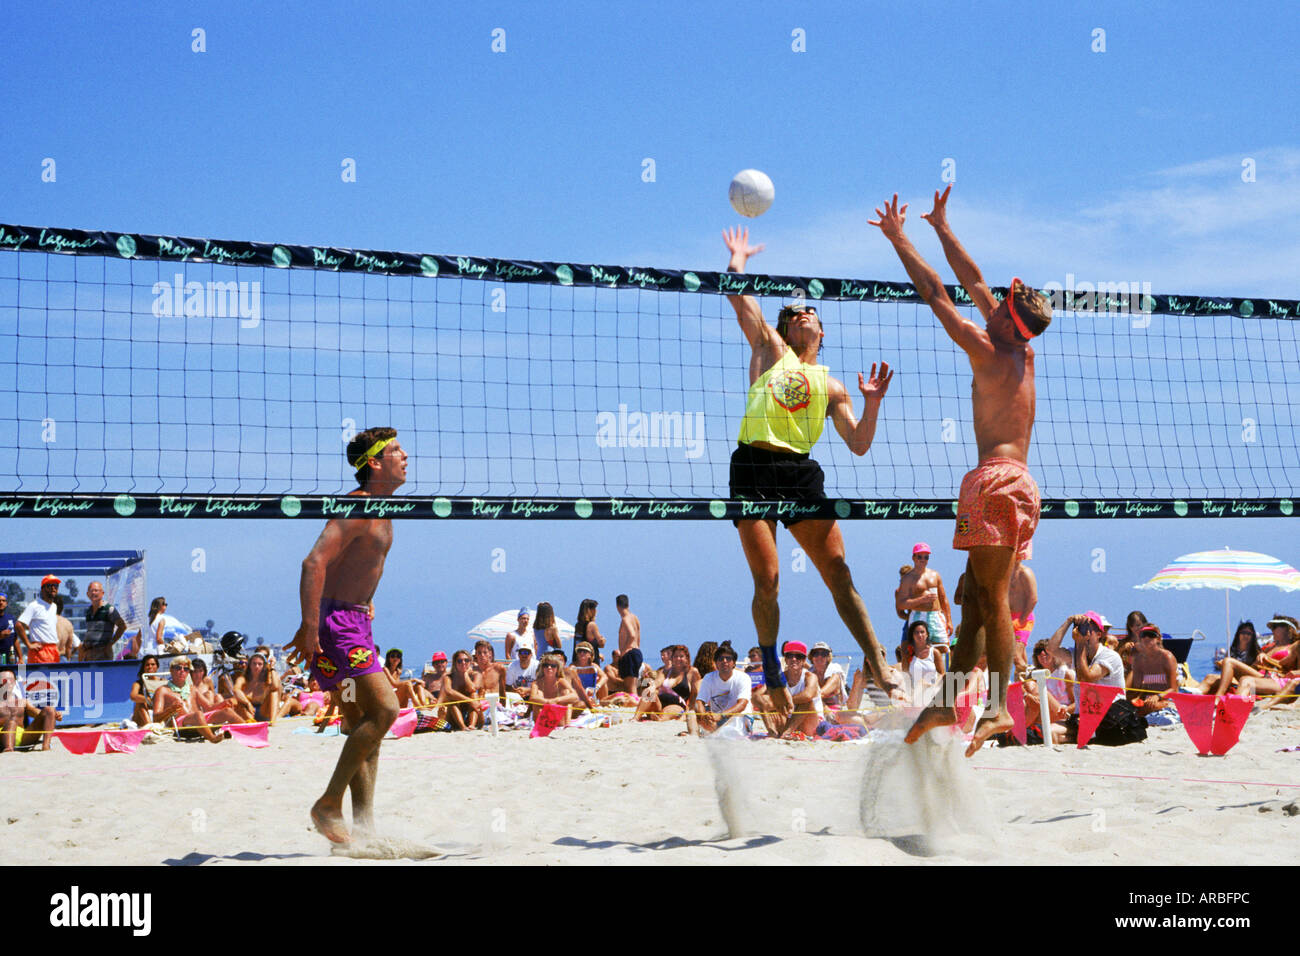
<point>786,406</point>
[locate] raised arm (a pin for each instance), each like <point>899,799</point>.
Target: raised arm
<point>971,339</point>
<point>857,434</point>
<point>968,274</point>
<point>757,332</point>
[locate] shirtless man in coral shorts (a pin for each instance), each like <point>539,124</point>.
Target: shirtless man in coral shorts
<point>997,511</point>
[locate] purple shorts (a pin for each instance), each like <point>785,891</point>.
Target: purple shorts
<point>346,647</point>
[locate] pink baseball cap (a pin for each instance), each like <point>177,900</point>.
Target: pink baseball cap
<point>920,548</point>
<point>794,647</point>
<point>1097,619</point>
<point>438,656</point>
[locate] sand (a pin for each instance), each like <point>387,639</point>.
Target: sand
<point>638,794</point>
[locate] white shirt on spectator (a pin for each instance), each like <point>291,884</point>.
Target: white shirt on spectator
<point>1110,660</point>
<point>521,677</point>
<point>720,696</point>
<point>42,622</point>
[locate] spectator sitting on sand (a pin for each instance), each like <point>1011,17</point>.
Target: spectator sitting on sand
<point>669,696</point>
<point>175,702</point>
<point>1285,631</point>
<point>1034,718</point>
<point>460,694</point>
<point>216,709</point>
<point>491,674</point>
<point>551,687</point>
<point>1262,682</point>
<point>1244,649</point>
<point>260,687</point>
<point>1154,677</point>
<point>704,658</point>
<point>724,693</point>
<point>140,695</point>
<point>830,678</point>
<point>20,719</point>
<point>306,703</point>
<point>1097,664</point>
<point>666,656</point>
<point>923,662</point>
<point>521,673</point>
<point>805,693</point>
<point>409,692</point>
<point>585,676</point>
<point>1062,682</point>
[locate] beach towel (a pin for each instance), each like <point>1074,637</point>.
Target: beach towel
<point>1016,705</point>
<point>549,718</point>
<point>842,732</point>
<point>124,741</point>
<point>250,735</point>
<point>404,725</point>
<point>78,741</point>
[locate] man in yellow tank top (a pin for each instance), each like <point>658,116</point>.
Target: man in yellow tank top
<point>790,398</point>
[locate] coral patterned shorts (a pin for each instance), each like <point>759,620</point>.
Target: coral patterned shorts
<point>998,505</point>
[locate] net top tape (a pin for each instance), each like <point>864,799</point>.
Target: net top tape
<point>1116,297</point>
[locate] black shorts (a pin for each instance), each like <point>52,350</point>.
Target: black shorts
<point>758,474</point>
<point>629,664</point>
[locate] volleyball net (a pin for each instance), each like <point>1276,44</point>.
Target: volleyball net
<point>166,376</point>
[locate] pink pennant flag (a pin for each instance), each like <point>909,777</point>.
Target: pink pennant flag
<point>1197,714</point>
<point>1016,704</point>
<point>1230,718</point>
<point>250,735</point>
<point>404,725</point>
<point>78,741</point>
<point>123,741</point>
<point>548,719</point>
<point>1094,701</point>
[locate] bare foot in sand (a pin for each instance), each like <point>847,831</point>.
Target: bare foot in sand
<point>930,718</point>
<point>986,728</point>
<point>327,816</point>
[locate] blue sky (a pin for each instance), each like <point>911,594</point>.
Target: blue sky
<point>1115,165</point>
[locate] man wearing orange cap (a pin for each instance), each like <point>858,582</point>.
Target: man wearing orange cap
<point>38,627</point>
<point>998,507</point>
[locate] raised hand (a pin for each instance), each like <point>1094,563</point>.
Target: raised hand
<point>891,220</point>
<point>737,242</point>
<point>938,216</point>
<point>873,389</point>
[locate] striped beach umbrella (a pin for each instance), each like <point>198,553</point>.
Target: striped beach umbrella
<point>497,626</point>
<point>1225,570</point>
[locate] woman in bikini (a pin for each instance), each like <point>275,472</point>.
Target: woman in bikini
<point>1244,650</point>
<point>670,696</point>
<point>586,677</point>
<point>410,693</point>
<point>140,696</point>
<point>551,686</point>
<point>175,702</point>
<point>260,687</point>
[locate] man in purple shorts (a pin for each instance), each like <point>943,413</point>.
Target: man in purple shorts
<point>339,579</point>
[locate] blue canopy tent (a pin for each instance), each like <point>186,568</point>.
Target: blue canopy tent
<point>26,564</point>
<point>83,692</point>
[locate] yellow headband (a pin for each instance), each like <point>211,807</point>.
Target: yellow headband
<point>371,453</point>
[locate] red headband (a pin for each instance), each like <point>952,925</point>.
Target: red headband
<point>1011,307</point>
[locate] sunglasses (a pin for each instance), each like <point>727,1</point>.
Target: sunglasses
<point>795,656</point>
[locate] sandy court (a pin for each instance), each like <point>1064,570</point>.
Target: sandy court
<point>638,794</point>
